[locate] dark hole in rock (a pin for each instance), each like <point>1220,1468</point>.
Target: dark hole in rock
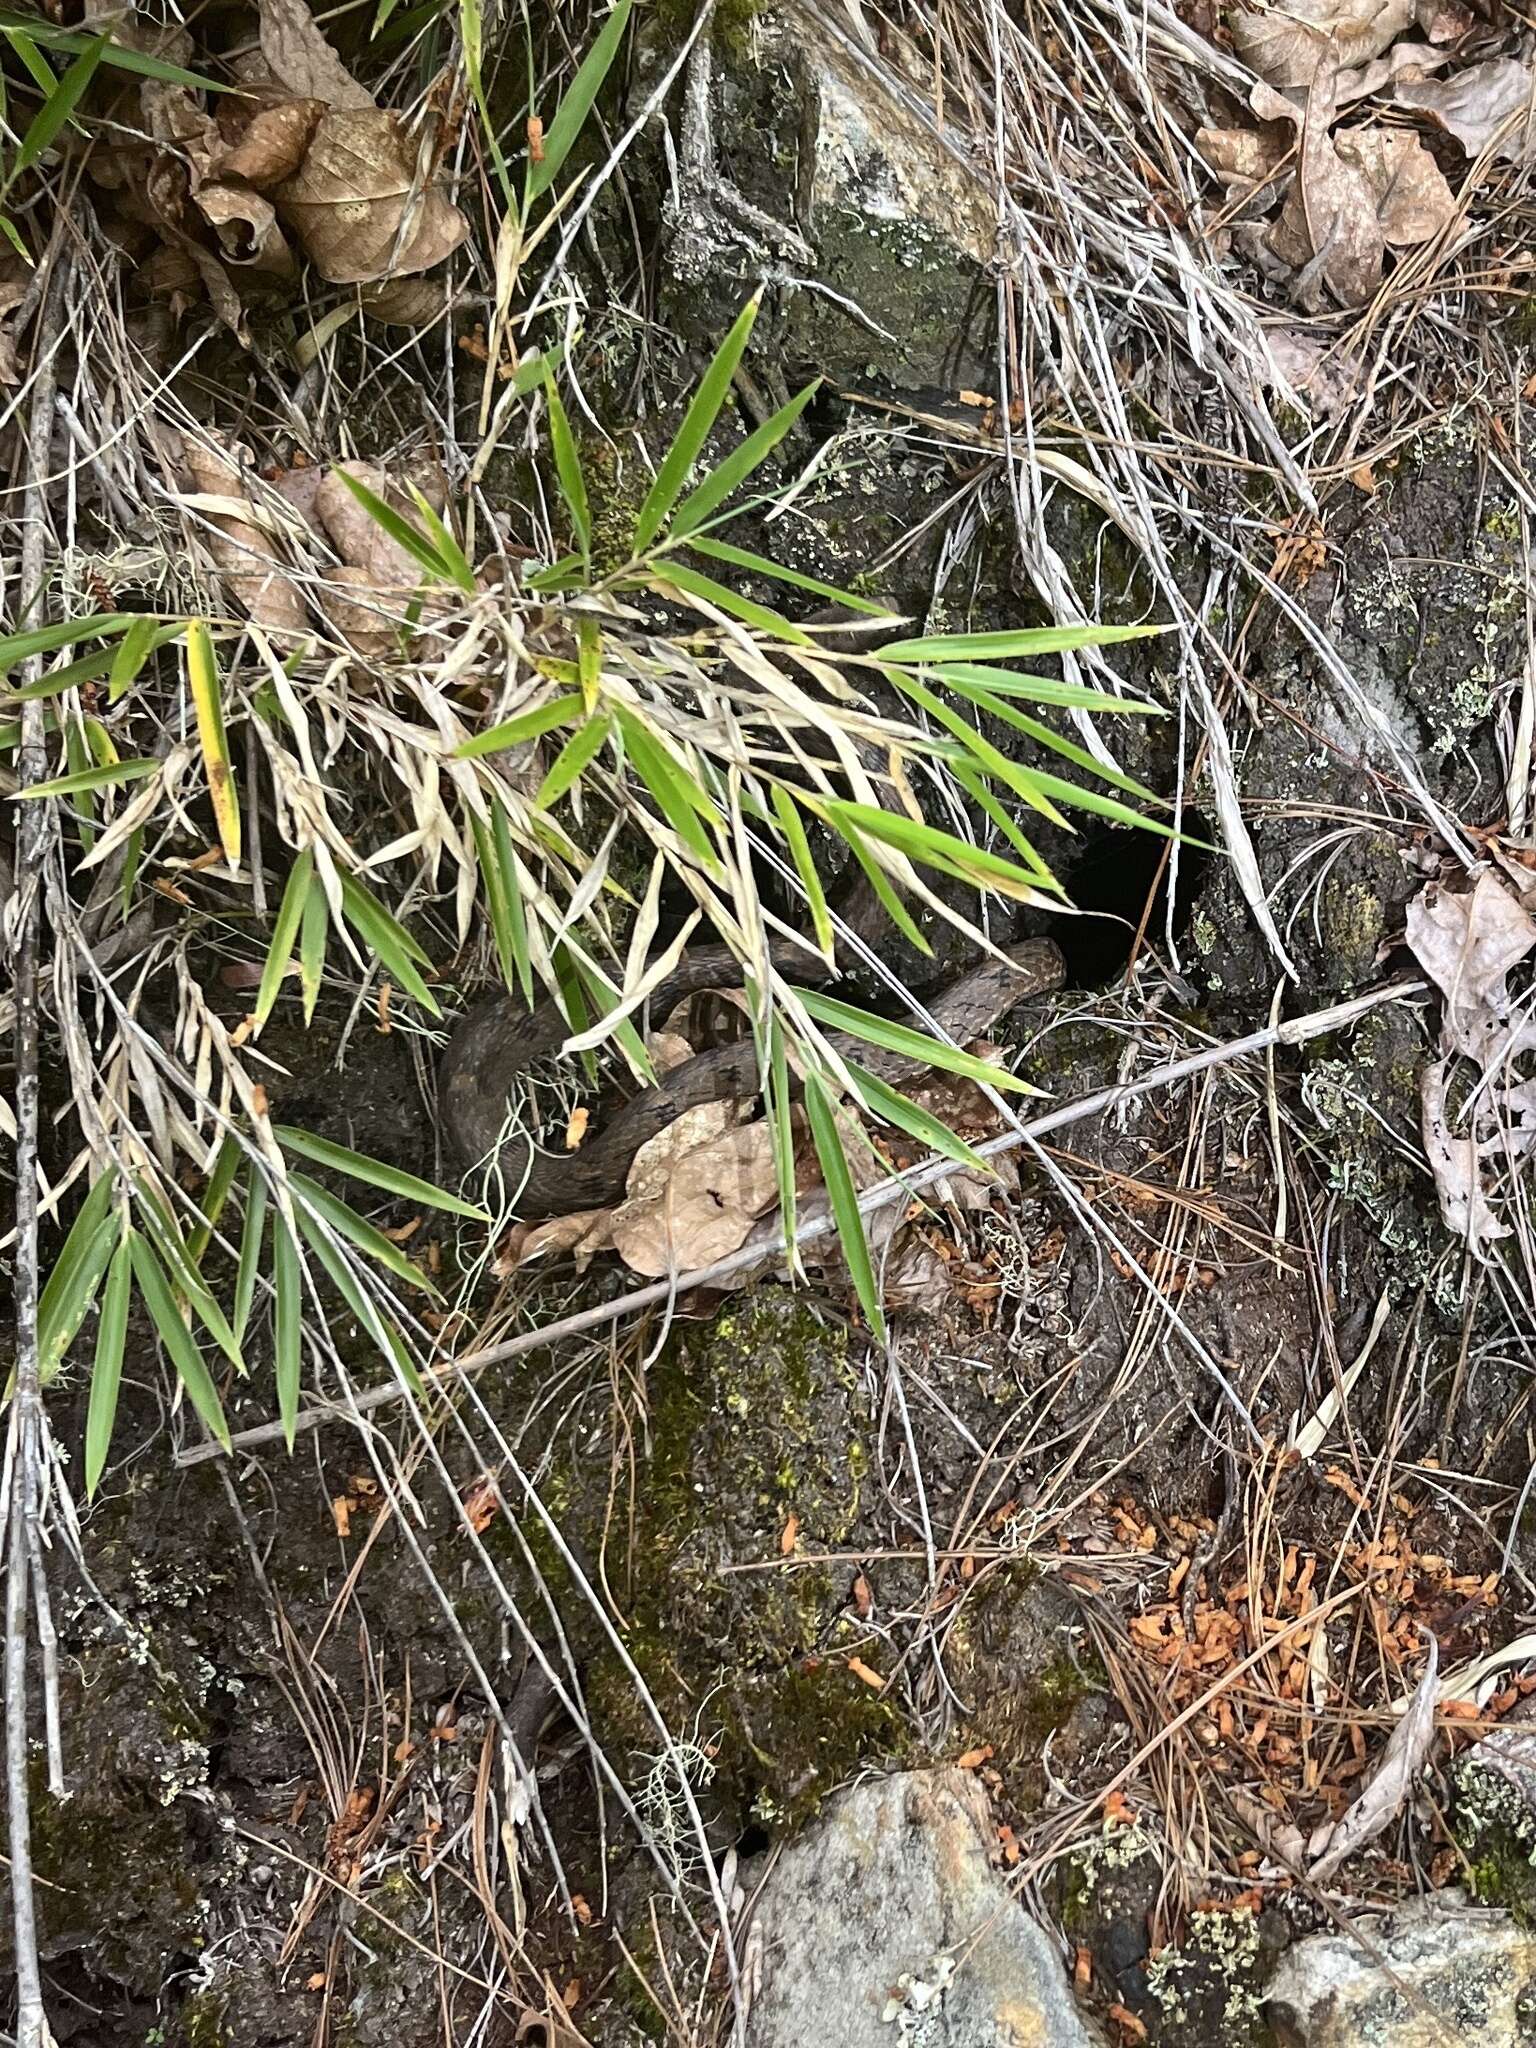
<point>753,1840</point>
<point>1115,872</point>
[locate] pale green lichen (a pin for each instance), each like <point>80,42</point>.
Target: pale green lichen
<point>1221,1949</point>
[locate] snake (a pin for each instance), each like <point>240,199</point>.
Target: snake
<point>499,1041</point>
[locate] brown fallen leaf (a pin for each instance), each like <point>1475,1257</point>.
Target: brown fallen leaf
<point>789,1535</point>
<point>1467,944</point>
<point>271,146</point>
<point>341,1514</point>
<point>863,1597</point>
<point>242,550</point>
<point>866,1675</point>
<point>1413,201</point>
<point>358,204</point>
<point>1454,1164</point>
<point>246,227</point>
<point>694,1191</point>
<point>1289,46</point>
<point>1486,106</point>
<point>354,532</point>
<point>973,1759</point>
<point>297,56</point>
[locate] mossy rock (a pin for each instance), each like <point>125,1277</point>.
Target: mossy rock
<point>755,1419</point>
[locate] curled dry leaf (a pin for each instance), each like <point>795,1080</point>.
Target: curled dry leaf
<point>1391,1783</point>
<point>694,1191</point>
<point>296,55</point>
<point>1289,45</point>
<point>1467,944</point>
<point>1454,1163</point>
<point>1315,370</point>
<point>1245,159</point>
<point>359,205</point>
<point>354,532</point>
<point>1358,192</point>
<point>242,551</point>
<point>272,144</point>
<point>246,227</point>
<point>1487,106</point>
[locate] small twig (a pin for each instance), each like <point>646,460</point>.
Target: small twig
<point>34,830</point>
<point>1316,1024</point>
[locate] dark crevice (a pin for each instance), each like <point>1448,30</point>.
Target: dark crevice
<point>1115,872</point>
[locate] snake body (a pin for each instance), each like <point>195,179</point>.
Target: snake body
<point>498,1042</point>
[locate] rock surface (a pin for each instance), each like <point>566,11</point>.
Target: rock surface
<point>886,1924</point>
<point>1447,1972</point>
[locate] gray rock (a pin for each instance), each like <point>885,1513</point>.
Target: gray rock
<point>886,1925</point>
<point>1448,1972</point>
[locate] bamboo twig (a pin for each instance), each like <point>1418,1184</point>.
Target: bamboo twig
<point>1316,1024</point>
<point>34,831</point>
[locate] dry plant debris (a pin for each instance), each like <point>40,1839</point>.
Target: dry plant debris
<point>216,196</point>
<point>1321,192</point>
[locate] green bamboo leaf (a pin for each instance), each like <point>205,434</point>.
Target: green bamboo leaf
<point>679,797</point>
<point>160,1230</point>
<point>974,783</point>
<point>703,411</point>
<point>85,670</point>
<point>394,946</point>
<point>400,530</point>
<point>346,1222</point>
<point>392,1179</point>
<point>528,725</point>
<point>285,931</point>
<point>533,370</point>
<point>926,843</point>
<point>727,477</point>
<point>357,1299</point>
<point>989,755</point>
<point>571,114</point>
<point>287,1322</point>
<point>842,1196</point>
<point>1012,646</point>
<point>890,1106</point>
<point>572,760</point>
<point>667,575</point>
<point>799,845</point>
<point>248,1270</point>
<point>27,30</point>
<point>880,882</point>
<point>1007,682</point>
<point>133,650</point>
<point>12,234</point>
<point>15,648</point>
<point>453,556</point>
<point>313,934</point>
<point>76,1275</point>
<point>100,777</point>
<point>226,1165</point>
<point>919,1046</point>
<point>107,1370</point>
<point>573,482</point>
<point>760,565</point>
<point>56,109</point>
<point>176,1338</point>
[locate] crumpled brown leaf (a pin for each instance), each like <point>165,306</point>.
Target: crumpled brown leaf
<point>1315,369</point>
<point>354,532</point>
<point>1391,1783</point>
<point>1357,193</point>
<point>358,204</point>
<point>1289,45</point>
<point>297,56</point>
<point>1468,944</point>
<point>246,226</point>
<point>1454,1163</point>
<point>272,144</point>
<point>240,548</point>
<point>694,1191</point>
<point>1488,105</point>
